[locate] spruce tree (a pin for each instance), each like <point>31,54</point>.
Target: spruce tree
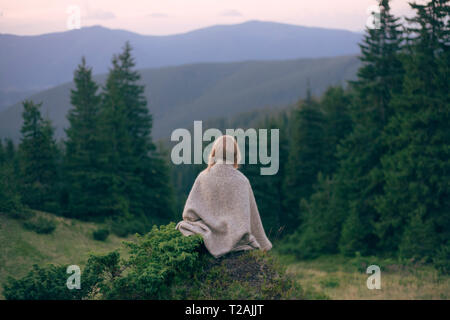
<point>85,186</point>
<point>38,157</point>
<point>305,159</point>
<point>415,205</point>
<point>320,231</point>
<point>139,178</point>
<point>358,179</point>
<point>335,104</point>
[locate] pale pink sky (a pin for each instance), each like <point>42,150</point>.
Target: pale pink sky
<point>160,17</point>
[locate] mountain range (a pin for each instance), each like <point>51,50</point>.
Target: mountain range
<point>179,95</point>
<point>30,64</point>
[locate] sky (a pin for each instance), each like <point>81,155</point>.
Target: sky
<point>162,17</point>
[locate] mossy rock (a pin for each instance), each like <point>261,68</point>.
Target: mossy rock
<point>240,275</point>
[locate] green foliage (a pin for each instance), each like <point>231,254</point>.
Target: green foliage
<point>156,261</point>
<point>113,169</point>
<point>86,186</point>
<point>10,199</point>
<point>306,157</point>
<point>321,230</point>
<point>38,160</point>
<point>414,207</point>
<point>41,225</point>
<point>358,178</point>
<point>41,283</point>
<point>100,234</point>
<point>442,259</point>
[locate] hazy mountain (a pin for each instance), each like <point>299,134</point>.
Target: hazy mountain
<point>43,61</point>
<point>179,95</point>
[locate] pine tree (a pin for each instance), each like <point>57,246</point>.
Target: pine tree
<point>320,231</point>
<point>138,176</point>
<point>335,104</point>
<point>415,204</point>
<point>305,159</point>
<point>38,156</point>
<point>85,185</point>
<point>358,179</point>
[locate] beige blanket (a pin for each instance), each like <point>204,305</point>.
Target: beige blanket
<point>222,208</point>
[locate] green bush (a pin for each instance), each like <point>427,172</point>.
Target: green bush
<point>122,226</point>
<point>100,234</point>
<point>23,214</point>
<point>46,283</point>
<point>40,225</point>
<point>442,260</point>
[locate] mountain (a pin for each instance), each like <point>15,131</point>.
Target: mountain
<point>43,61</point>
<point>179,95</point>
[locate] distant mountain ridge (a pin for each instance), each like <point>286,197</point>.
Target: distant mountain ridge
<point>179,95</point>
<point>43,61</point>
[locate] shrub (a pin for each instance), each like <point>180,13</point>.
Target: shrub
<point>46,283</point>
<point>122,227</point>
<point>23,214</point>
<point>100,234</point>
<point>442,260</point>
<point>40,225</point>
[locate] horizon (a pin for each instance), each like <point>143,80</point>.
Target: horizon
<point>28,18</point>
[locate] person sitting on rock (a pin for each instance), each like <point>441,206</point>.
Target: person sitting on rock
<point>221,206</point>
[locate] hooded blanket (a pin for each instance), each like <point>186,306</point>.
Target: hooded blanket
<point>221,208</point>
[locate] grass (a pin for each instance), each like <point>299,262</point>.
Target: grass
<point>70,243</point>
<point>342,278</point>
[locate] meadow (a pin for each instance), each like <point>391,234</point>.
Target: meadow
<point>345,278</point>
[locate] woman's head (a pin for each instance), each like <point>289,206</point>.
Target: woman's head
<point>225,149</point>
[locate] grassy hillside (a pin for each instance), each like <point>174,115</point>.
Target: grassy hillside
<point>70,243</point>
<point>179,95</point>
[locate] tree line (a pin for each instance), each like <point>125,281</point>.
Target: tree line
<point>108,167</point>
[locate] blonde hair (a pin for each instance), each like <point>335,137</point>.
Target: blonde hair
<point>219,151</point>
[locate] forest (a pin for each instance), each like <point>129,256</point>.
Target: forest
<point>364,168</point>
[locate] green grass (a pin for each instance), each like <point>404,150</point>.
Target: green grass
<point>343,278</point>
<point>70,243</point>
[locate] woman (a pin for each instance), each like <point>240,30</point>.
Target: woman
<point>221,206</point>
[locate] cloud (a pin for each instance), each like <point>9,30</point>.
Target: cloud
<point>157,15</point>
<point>230,13</point>
<point>100,14</point>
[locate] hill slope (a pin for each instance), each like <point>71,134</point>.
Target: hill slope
<point>38,62</point>
<point>70,243</point>
<point>179,95</point>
